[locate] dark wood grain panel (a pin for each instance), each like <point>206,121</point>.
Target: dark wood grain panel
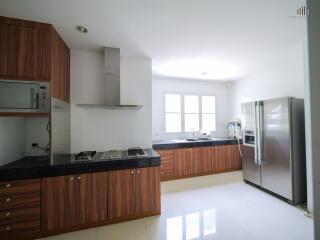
<point>83,198</point>
<point>207,160</point>
<point>147,190</point>
<point>3,48</point>
<point>19,229</point>
<point>121,198</point>
<point>29,52</point>
<point>20,214</point>
<point>21,186</point>
<point>60,65</point>
<point>100,196</point>
<point>24,23</point>
<point>54,208</point>
<point>196,160</point>
<point>19,200</point>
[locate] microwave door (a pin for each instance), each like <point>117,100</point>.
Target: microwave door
<point>19,95</point>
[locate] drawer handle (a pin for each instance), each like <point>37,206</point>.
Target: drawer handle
<point>8,199</point>
<point>8,214</point>
<point>79,177</point>
<point>71,178</point>
<point>8,185</point>
<point>8,228</point>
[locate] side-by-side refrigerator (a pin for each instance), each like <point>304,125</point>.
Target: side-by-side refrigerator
<point>274,147</point>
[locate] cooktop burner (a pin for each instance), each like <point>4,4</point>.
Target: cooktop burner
<point>136,152</point>
<point>86,155</point>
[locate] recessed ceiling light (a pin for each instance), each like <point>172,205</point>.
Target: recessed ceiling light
<point>82,29</point>
<point>204,73</point>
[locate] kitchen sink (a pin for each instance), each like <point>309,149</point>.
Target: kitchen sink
<point>191,139</point>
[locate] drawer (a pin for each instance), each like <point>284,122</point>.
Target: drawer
<point>166,154</point>
<point>20,229</point>
<point>167,166</point>
<point>19,214</point>
<point>19,200</point>
<point>18,187</point>
<point>164,174</point>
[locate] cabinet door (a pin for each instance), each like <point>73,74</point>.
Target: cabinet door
<point>147,190</point>
<point>220,158</point>
<point>84,198</point>
<point>207,160</point>
<point>58,203</point>
<point>233,158</point>
<point>121,194</point>
<point>182,162</point>
<point>60,81</point>
<point>3,48</point>
<point>29,52</point>
<point>100,196</point>
<point>195,158</point>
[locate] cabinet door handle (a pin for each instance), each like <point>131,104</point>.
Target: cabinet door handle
<point>8,185</point>
<point>71,178</point>
<point>8,214</point>
<point>79,177</point>
<point>8,199</point>
<point>138,172</point>
<point>8,228</point>
<point>132,171</point>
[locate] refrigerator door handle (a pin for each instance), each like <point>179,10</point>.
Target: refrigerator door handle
<point>261,133</point>
<point>256,145</point>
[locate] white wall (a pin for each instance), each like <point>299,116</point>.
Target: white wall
<point>161,86</point>
<point>312,108</point>
<point>96,129</point>
<point>284,76</point>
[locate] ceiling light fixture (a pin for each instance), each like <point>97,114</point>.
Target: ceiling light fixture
<point>82,29</point>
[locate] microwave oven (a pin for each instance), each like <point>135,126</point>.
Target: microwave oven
<point>24,96</point>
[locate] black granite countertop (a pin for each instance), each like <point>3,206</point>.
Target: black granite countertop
<point>171,144</point>
<point>39,167</point>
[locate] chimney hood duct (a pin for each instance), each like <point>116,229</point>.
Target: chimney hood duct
<point>112,83</point>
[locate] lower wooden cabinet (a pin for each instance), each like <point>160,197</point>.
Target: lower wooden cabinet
<point>187,162</point>
<point>66,201</point>
<point>88,199</point>
<point>134,192</point>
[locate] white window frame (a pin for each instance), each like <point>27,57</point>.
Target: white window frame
<point>182,119</point>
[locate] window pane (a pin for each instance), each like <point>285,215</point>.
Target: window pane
<point>192,226</point>
<point>191,104</point>
<point>208,104</point>
<point>208,122</point>
<point>191,122</point>
<point>173,122</point>
<point>173,103</point>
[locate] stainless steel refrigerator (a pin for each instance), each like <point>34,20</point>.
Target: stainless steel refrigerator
<point>274,147</point>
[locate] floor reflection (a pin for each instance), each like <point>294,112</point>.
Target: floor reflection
<point>196,225</point>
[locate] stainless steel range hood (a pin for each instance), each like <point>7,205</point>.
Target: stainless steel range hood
<point>112,78</point>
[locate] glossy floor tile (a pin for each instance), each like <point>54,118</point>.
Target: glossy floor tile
<point>218,207</point>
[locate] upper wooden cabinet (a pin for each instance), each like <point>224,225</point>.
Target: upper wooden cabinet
<point>34,51</point>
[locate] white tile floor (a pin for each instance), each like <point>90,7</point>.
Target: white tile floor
<point>211,207</point>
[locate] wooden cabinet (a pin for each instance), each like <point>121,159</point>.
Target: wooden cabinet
<point>100,195</point>
<point>188,161</point>
<point>167,168</point>
<point>19,208</point>
<point>121,193</point>
<point>34,51</point>
<point>147,190</point>
<point>25,49</point>
<point>66,201</point>
<point>60,77</point>
<point>134,192</point>
<point>81,200</point>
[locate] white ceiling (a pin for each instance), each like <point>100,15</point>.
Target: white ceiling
<point>210,39</point>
